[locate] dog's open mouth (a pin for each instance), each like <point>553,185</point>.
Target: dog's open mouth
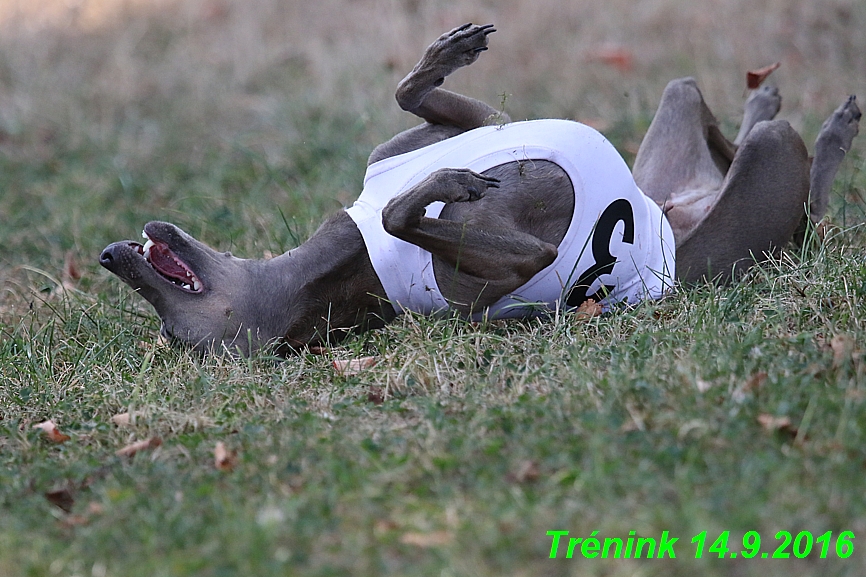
<point>168,265</point>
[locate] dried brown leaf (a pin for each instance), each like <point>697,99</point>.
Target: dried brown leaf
<point>756,381</point>
<point>122,419</point>
<point>134,448</point>
<point>432,539</point>
<point>224,459</point>
<point>354,366</point>
<point>754,78</point>
<point>61,497</point>
<point>774,423</point>
<point>615,56</point>
<point>588,309</point>
<point>753,383</point>
<point>526,472</point>
<point>52,432</point>
<point>383,526</point>
<point>843,348</point>
<point>71,272</point>
<point>376,395</point>
<point>70,521</point>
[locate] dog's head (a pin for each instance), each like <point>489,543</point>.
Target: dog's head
<point>206,299</point>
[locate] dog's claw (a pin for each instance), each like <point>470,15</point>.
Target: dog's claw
<point>852,101</point>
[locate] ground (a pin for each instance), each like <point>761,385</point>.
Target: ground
<point>718,409</point>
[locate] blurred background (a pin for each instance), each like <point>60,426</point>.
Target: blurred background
<point>244,121</point>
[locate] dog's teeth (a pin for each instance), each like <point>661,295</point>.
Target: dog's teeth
<point>196,285</point>
<point>144,234</point>
<point>146,250</point>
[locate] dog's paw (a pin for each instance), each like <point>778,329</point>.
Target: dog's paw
<point>461,46</point>
<point>841,127</point>
<point>462,184</point>
<point>763,103</point>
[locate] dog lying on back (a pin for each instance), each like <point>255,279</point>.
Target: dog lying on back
<point>495,219</point>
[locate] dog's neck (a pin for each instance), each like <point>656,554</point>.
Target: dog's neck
<point>325,285</point>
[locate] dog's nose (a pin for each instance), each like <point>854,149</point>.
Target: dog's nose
<point>106,259</point>
<point>110,257</point>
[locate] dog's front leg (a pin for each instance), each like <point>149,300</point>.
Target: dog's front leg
<point>497,260</point>
<point>419,94</point>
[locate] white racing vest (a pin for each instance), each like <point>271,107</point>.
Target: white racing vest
<point>618,247</point>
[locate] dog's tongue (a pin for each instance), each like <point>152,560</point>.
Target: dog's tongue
<point>163,260</point>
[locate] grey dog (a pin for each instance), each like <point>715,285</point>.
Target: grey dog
<point>471,212</point>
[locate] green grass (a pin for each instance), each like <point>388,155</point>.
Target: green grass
<point>462,447</point>
<point>474,439</point>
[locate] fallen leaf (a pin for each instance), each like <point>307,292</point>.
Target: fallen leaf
<point>588,309</point>
<point>74,521</point>
<point>433,539</point>
<point>756,381</point>
<point>145,445</point>
<point>527,472</point>
<point>772,423</point>
<point>376,395</point>
<point>615,56</point>
<point>821,230</point>
<point>599,124</point>
<point>753,383</point>
<point>121,420</point>
<point>52,432</point>
<point>61,497</point>
<point>754,78</point>
<point>843,348</point>
<point>354,366</point>
<point>383,526</point>
<point>224,459</point>
<point>71,272</point>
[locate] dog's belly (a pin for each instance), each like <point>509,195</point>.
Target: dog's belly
<point>535,197</point>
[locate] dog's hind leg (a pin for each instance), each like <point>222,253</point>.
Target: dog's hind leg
<point>447,113</point>
<point>834,141</point>
<point>761,204</point>
<point>762,104</point>
<point>683,149</point>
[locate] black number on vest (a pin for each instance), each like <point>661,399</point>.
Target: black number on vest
<point>618,211</point>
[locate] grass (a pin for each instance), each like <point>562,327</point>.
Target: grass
<point>466,443</point>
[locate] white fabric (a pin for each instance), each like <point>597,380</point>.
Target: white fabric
<point>643,268</point>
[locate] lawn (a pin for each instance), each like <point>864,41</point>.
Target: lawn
<point>717,417</point>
